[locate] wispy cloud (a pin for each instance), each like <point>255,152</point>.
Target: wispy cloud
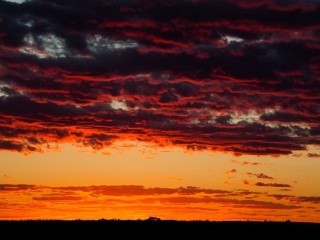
<point>278,185</point>
<point>246,163</point>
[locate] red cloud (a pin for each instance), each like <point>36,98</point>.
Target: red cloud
<point>184,77</point>
<point>245,182</point>
<point>57,198</point>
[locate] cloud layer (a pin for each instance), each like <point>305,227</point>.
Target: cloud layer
<point>224,75</point>
<point>168,203</point>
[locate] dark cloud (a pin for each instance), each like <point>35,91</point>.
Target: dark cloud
<point>11,145</point>
<point>297,199</point>
<point>260,175</point>
<point>280,185</point>
<point>223,75</point>
<point>311,199</point>
<point>313,155</point>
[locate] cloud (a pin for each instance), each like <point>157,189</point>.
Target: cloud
<point>16,1</point>
<point>260,175</point>
<point>15,187</point>
<point>246,163</point>
<point>238,203</point>
<point>245,182</point>
<point>297,199</point>
<point>311,199</point>
<point>261,184</point>
<point>133,190</point>
<point>231,171</point>
<point>313,155</point>
<point>93,200</point>
<point>221,75</point>
<point>57,198</point>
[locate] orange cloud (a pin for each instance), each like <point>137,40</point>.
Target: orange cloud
<point>125,201</point>
<point>231,171</point>
<point>245,182</point>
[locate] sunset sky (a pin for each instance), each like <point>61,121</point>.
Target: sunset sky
<point>187,110</point>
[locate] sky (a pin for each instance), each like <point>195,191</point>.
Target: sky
<point>186,110</point>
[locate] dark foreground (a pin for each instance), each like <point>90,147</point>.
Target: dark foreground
<point>105,229</point>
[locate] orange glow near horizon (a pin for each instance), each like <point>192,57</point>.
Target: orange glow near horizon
<point>135,180</point>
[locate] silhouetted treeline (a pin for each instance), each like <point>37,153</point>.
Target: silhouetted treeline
<point>154,228</point>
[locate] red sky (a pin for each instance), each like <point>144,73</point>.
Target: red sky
<point>175,109</point>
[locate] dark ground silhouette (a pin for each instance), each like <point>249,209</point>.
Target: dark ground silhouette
<point>156,229</point>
